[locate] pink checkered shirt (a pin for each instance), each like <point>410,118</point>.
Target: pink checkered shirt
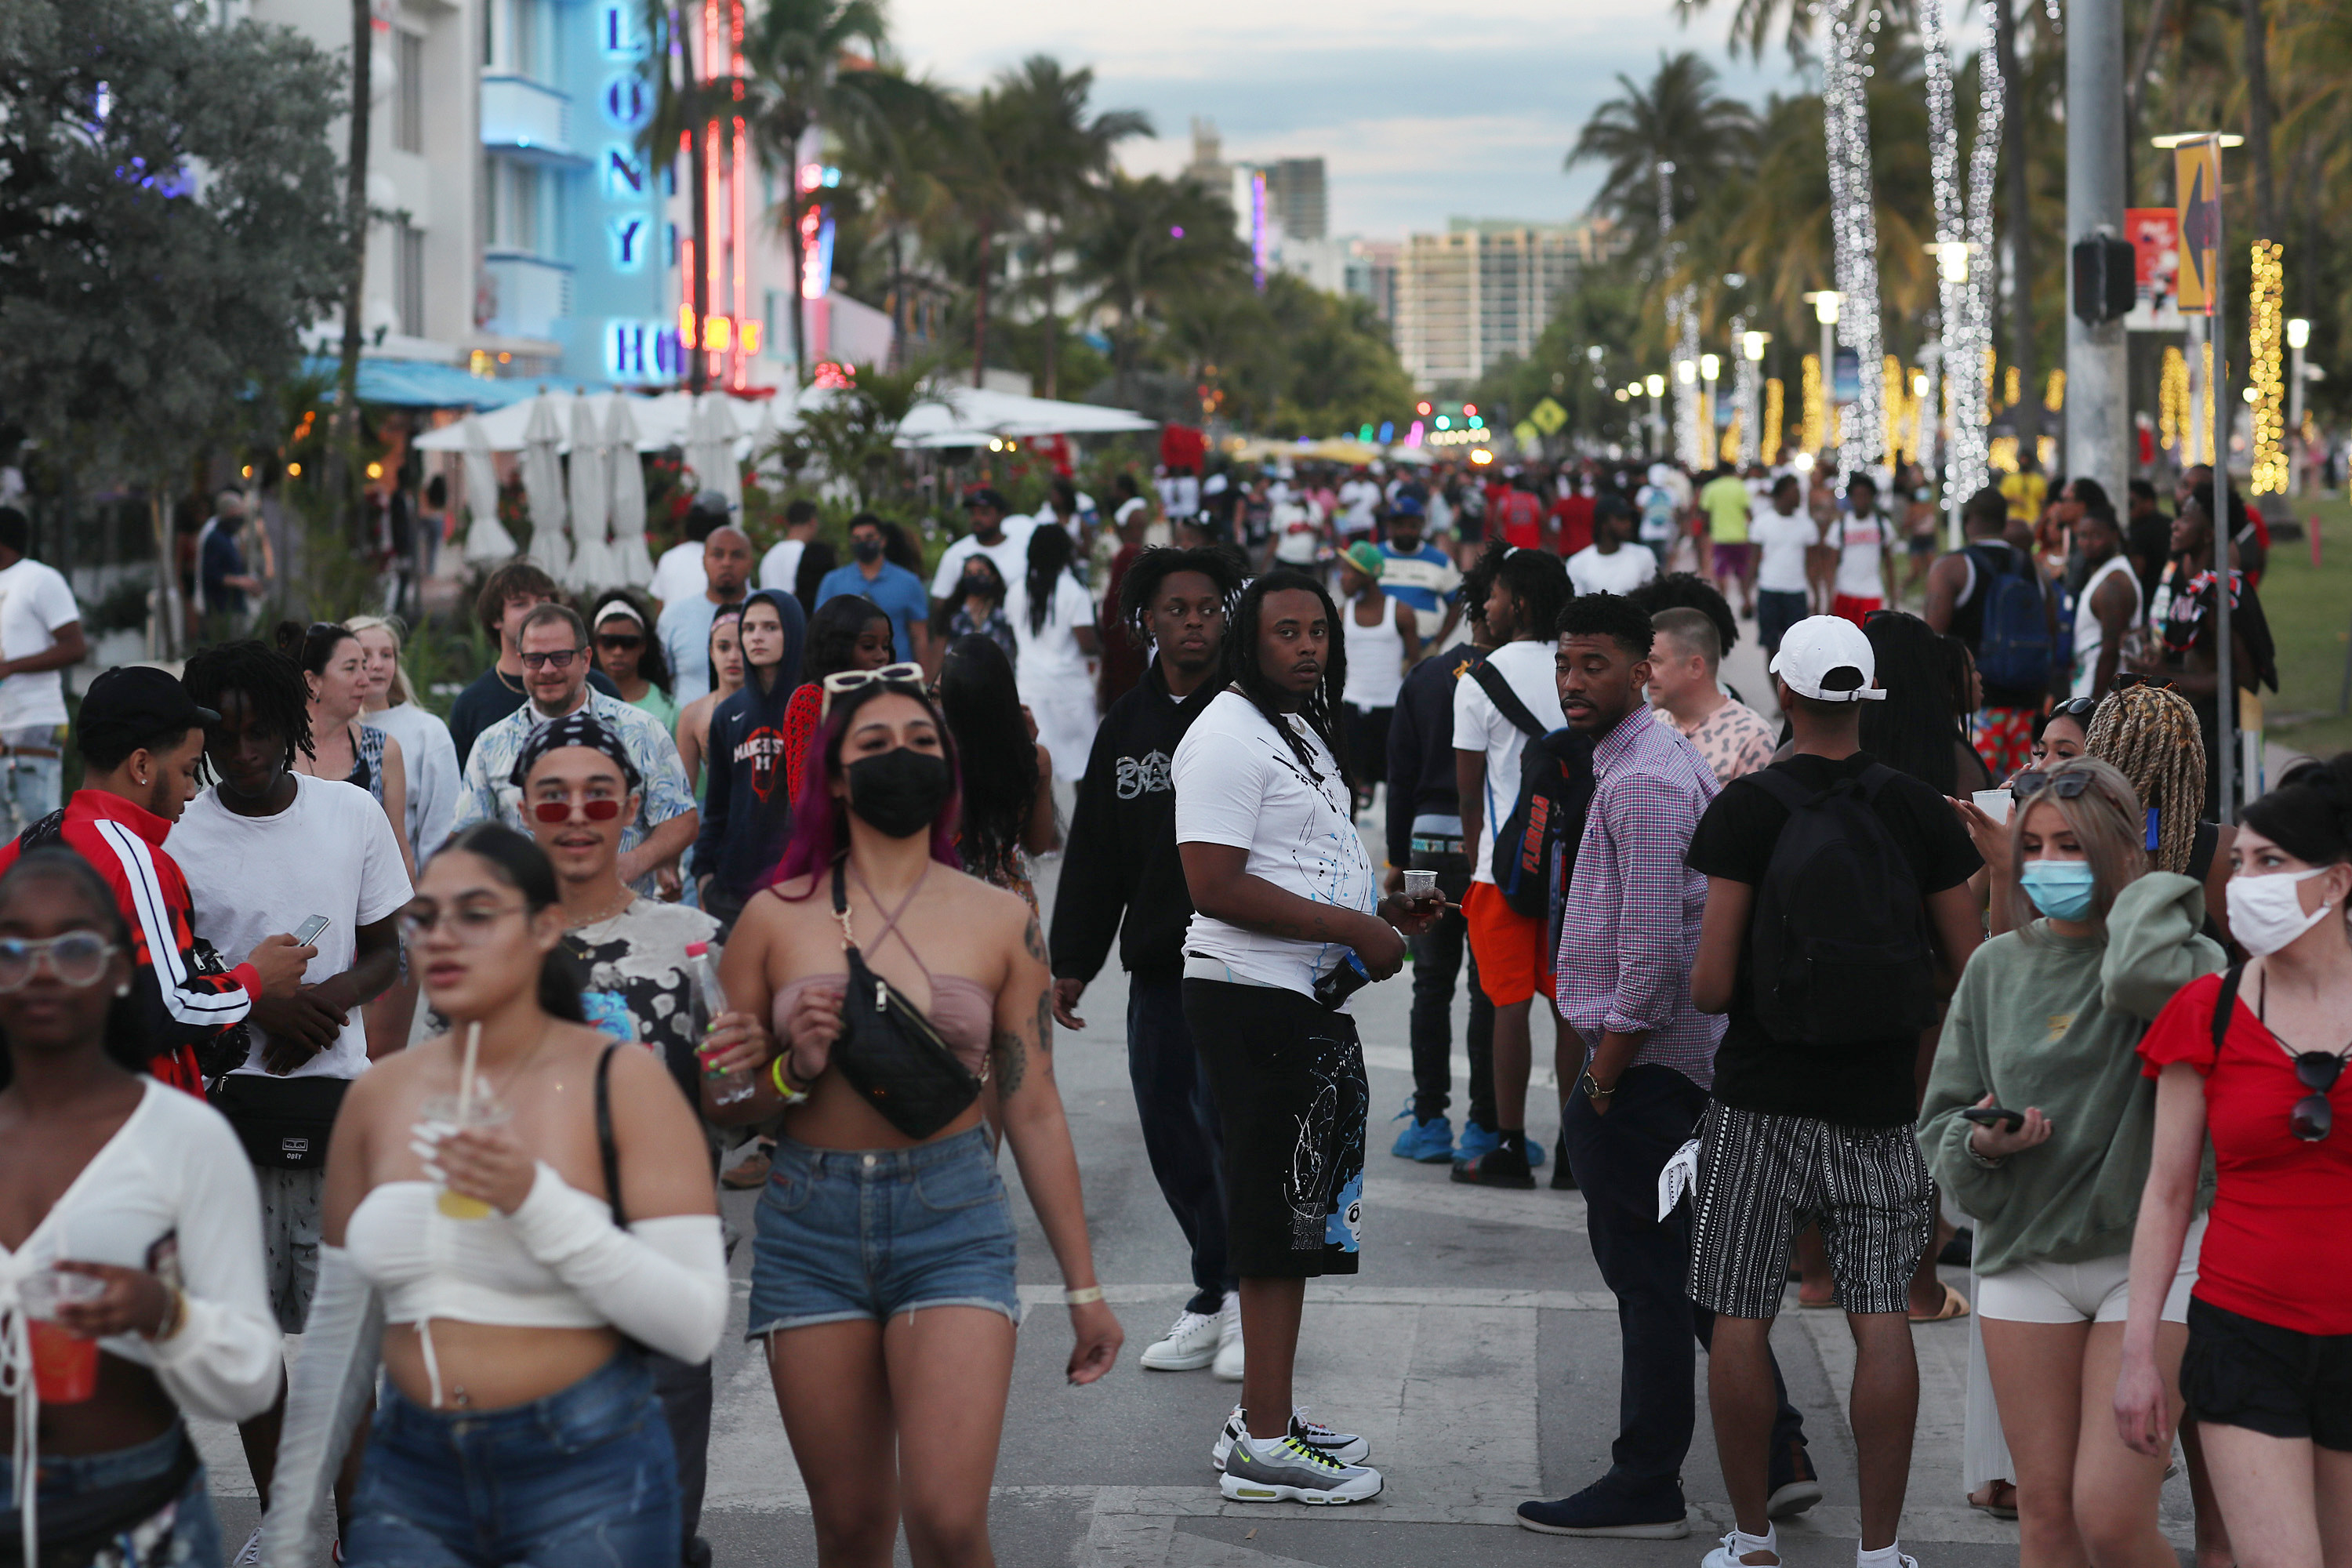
<point>1629,932</point>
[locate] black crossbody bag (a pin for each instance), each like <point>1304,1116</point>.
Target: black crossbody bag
<point>282,1121</point>
<point>888,1051</point>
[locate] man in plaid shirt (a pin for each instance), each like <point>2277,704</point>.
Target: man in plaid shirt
<point>1629,932</point>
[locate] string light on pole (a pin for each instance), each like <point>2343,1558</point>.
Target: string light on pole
<point>1969,341</point>
<point>1846,71</point>
<point>1951,254</point>
<point>2172,400</point>
<point>1776,394</point>
<point>1815,420</point>
<point>1751,373</point>
<point>2266,338</point>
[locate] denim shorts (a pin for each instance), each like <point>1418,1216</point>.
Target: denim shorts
<point>582,1478</point>
<point>863,1235</point>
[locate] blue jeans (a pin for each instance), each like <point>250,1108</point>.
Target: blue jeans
<point>1439,957</point>
<point>863,1235</point>
<point>191,1538</point>
<point>585,1476</point>
<point>30,786</point>
<point>1646,1263</point>
<point>1777,609</point>
<point>1180,1128</point>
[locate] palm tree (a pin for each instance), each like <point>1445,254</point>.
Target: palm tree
<point>1055,159</point>
<point>1678,118</point>
<point>807,68</point>
<point>1149,240</point>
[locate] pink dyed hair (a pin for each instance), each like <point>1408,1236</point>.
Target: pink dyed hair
<point>820,833</point>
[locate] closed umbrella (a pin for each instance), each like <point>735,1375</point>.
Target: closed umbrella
<point>633,563</point>
<point>487,539</point>
<point>542,486</point>
<point>592,489</point>
<point>710,450</point>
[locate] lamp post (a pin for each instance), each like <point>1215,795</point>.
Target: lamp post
<point>1826,304</point>
<point>1686,378</point>
<point>2298,334</point>
<point>2096,422</point>
<point>1710,368</point>
<point>1655,385</point>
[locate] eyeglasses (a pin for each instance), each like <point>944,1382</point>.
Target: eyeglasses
<point>561,810</point>
<point>2130,678</point>
<point>619,643</point>
<point>77,958</point>
<point>2065,786</point>
<point>561,659</point>
<point>2313,1118</point>
<point>907,678</point>
<point>470,923</point>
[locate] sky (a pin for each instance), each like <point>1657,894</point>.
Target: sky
<point>1421,111</point>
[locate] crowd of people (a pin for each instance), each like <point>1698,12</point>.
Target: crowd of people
<point>1943,930</point>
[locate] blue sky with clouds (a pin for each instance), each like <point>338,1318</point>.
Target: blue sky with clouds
<point>1421,111</point>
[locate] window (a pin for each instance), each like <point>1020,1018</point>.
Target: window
<point>408,278</point>
<point>523,36</point>
<point>514,192</point>
<point>408,96</point>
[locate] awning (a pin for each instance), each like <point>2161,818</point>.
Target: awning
<point>425,384</point>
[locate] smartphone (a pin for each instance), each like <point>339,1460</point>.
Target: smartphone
<point>1994,1116</point>
<point>308,931</point>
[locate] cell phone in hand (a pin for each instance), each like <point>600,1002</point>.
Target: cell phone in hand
<point>308,931</point>
<point>1994,1116</point>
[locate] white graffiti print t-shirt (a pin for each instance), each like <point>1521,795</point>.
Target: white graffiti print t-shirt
<point>1238,783</point>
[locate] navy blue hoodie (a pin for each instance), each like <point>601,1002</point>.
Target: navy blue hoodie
<point>746,810</point>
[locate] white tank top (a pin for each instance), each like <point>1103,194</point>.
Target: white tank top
<point>2089,636</point>
<point>1375,657</point>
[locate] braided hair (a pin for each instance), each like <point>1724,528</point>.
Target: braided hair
<point>270,683</point>
<point>2152,738</point>
<point>1049,560</point>
<point>1150,570</point>
<point>1245,673</point>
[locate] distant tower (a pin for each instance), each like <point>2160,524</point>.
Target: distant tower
<point>1208,165</point>
<point>1294,192</point>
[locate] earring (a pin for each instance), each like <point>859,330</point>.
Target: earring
<point>123,989</point>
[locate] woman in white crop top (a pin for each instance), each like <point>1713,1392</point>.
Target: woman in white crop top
<point>504,1330</point>
<point>106,1173</point>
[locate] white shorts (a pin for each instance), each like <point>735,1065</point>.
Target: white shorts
<point>2097,1290</point>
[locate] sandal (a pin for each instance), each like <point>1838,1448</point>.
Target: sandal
<point>1989,1502</point>
<point>1955,1307</point>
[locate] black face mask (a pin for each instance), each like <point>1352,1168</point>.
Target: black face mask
<point>899,791</point>
<point>867,550</point>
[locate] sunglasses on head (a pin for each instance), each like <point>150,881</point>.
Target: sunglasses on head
<point>2080,708</point>
<point>2130,678</point>
<point>2065,786</point>
<point>907,678</point>
<point>2313,1118</point>
<point>561,810</point>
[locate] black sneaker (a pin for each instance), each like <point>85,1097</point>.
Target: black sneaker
<point>1501,1166</point>
<point>1602,1510</point>
<point>1795,1487</point>
<point>1564,1180</point>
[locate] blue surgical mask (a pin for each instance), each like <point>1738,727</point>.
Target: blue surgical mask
<point>2062,889</point>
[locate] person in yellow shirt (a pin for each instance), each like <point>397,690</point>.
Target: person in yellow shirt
<point>2025,489</point>
<point>1724,499</point>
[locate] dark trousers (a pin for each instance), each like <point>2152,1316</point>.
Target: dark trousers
<point>685,1393</point>
<point>1439,957</point>
<point>1179,1127</point>
<point>1646,1263</point>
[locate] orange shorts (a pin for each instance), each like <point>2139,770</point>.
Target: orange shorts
<point>1508,946</point>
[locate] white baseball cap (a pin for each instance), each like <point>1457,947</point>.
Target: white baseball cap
<point>1826,657</point>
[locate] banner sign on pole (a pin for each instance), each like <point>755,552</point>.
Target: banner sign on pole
<point>2197,179</point>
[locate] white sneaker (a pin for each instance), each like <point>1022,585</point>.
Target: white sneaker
<point>1286,1470</point>
<point>1228,1367</point>
<point>1188,1346</point>
<point>251,1551</point>
<point>1345,1447</point>
<point>1723,1556</point>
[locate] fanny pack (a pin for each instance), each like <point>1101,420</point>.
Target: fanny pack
<point>122,1526</point>
<point>887,1050</point>
<point>282,1121</point>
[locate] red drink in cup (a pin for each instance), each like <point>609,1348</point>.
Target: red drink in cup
<point>65,1368</point>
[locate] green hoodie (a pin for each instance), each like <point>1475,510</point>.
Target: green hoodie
<point>2045,1020</point>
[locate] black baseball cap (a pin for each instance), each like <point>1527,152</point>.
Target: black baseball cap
<point>987,496</point>
<point>132,704</point>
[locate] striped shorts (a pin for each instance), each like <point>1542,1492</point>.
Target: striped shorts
<point>1763,1178</point>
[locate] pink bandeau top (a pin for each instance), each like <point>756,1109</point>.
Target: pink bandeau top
<point>962,1011</point>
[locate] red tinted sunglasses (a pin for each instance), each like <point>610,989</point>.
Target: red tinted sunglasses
<point>561,810</point>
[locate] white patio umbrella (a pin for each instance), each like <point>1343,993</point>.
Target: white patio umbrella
<point>592,489</point>
<point>710,449</point>
<point>485,537</point>
<point>633,563</point>
<point>543,485</point>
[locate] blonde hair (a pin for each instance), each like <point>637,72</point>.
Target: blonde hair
<point>2106,819</point>
<point>399,690</point>
<point>2151,736</point>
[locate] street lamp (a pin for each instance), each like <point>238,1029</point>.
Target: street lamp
<point>1826,304</point>
<point>2298,335</point>
<point>1951,259</point>
<point>1751,346</point>
<point>1686,370</point>
<point>1655,385</point>
<point>1710,366</point>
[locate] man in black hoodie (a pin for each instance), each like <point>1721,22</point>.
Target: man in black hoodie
<point>746,810</point>
<point>1120,860</point>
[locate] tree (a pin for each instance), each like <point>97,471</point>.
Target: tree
<point>1055,159</point>
<point>1678,118</point>
<point>1151,240</point>
<point>806,68</point>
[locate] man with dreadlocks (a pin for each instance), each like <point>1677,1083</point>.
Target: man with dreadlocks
<point>1288,921</point>
<point>1121,873</point>
<point>264,848</point>
<point>2150,734</point>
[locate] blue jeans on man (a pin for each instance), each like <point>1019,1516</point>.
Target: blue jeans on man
<point>31,784</point>
<point>1440,956</point>
<point>1179,1129</point>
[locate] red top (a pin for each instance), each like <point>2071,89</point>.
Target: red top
<point>1519,519</point>
<point>2279,1247</point>
<point>1574,517</point>
<point>800,728</point>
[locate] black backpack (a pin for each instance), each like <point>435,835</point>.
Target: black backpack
<point>1838,943</point>
<point>1534,846</point>
<point>2013,645</point>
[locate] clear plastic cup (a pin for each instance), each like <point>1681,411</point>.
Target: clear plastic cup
<point>65,1367</point>
<point>1993,803</point>
<point>486,1111</point>
<point>1420,886</point>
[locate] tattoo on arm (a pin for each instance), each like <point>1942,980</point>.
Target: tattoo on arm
<point>1045,1022</point>
<point>1035,941</point>
<point>1012,1061</point>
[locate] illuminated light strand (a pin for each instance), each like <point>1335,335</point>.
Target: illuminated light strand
<point>1854,223</point>
<point>1969,343</point>
<point>1894,393</point>
<point>2053,391</point>
<point>1815,418</point>
<point>1951,213</point>
<point>2172,398</point>
<point>2204,414</point>
<point>2266,343</point>
<point>1682,320</point>
<point>1775,406</point>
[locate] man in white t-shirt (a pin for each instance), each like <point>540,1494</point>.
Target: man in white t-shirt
<point>684,627</point>
<point>264,850</point>
<point>678,574</point>
<point>1284,900</point>
<point>41,635</point>
<point>1782,532</point>
<point>1866,571</point>
<point>1513,951</point>
<point>995,534</point>
<point>1360,504</point>
<point>780,568</point>
<point>1612,563</point>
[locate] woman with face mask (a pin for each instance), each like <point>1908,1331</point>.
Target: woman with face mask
<point>883,1274</point>
<point>745,809</point>
<point>2253,1059</point>
<point>980,607</point>
<point>2042,1026</point>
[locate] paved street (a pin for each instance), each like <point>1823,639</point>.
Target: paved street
<point>1477,1349</point>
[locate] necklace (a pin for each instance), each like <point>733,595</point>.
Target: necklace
<point>628,896</point>
<point>510,682</point>
<point>515,1077</point>
<point>2262,1016</point>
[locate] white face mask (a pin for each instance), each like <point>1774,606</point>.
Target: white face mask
<point>2266,913</point>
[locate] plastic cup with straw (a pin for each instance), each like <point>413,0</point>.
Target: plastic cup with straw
<point>466,1109</point>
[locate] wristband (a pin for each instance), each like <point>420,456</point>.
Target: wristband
<point>1084,1297</point>
<point>792,1096</point>
<point>175,1318</point>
